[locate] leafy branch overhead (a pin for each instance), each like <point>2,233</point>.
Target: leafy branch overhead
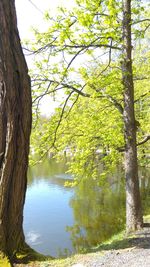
<point>79,60</point>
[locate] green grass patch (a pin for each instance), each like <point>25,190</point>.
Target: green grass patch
<point>118,241</point>
<point>4,262</point>
<point>28,255</point>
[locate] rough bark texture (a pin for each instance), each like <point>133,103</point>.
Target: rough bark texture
<point>133,202</point>
<point>15,127</point>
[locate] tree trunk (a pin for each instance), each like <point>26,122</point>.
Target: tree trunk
<point>15,127</point>
<point>133,202</point>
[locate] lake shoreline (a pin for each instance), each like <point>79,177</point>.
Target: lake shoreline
<point>121,250</point>
<point>61,220</point>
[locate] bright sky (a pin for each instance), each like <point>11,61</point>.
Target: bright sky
<point>30,14</point>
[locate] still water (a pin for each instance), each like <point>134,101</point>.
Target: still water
<point>59,220</point>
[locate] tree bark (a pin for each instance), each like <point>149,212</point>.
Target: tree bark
<point>15,127</point>
<point>133,202</point>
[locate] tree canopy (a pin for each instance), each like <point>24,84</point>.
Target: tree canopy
<point>80,54</point>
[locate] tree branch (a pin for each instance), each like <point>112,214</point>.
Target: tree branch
<point>147,138</point>
<point>88,46</point>
<point>76,46</point>
<point>109,61</point>
<point>65,85</point>
<point>72,106</point>
<point>138,99</point>
<point>139,21</point>
<point>61,116</point>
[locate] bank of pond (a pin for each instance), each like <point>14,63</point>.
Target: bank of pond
<point>60,220</point>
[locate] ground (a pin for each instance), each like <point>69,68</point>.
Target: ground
<point>120,251</point>
<point>132,251</point>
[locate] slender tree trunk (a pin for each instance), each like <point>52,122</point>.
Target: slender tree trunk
<point>15,127</point>
<point>133,202</point>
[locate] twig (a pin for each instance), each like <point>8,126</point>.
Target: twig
<point>61,116</point>
<point>147,138</point>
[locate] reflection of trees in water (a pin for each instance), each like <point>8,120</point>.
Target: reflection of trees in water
<point>50,171</point>
<point>144,175</point>
<point>47,168</point>
<point>99,212</point>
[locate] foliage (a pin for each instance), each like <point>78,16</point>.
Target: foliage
<point>80,54</point>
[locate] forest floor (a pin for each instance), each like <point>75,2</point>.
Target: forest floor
<point>131,251</point>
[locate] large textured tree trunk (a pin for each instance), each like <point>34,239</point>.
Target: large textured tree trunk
<point>15,127</point>
<point>133,202</point>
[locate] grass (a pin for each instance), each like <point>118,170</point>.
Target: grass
<point>28,255</point>
<point>4,262</point>
<point>118,241</point>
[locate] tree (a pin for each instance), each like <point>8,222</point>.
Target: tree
<point>15,127</point>
<point>95,29</point>
<point>133,202</point>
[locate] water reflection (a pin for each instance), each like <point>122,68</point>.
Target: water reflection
<point>47,210</point>
<point>59,218</point>
<point>144,174</point>
<point>33,238</point>
<point>98,212</point>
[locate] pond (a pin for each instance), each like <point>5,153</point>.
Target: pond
<point>60,220</point>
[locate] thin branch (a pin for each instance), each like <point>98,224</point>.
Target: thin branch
<point>50,45</point>
<point>146,27</point>
<point>36,7</point>
<point>112,100</point>
<point>76,90</point>
<point>45,93</point>
<point>80,51</point>
<point>72,106</point>
<point>109,61</point>
<point>32,52</point>
<point>116,103</point>
<point>90,45</point>
<point>139,21</point>
<point>41,96</point>
<point>61,116</point>
<point>147,138</point>
<point>142,96</point>
<point>74,57</point>
<point>65,86</point>
<point>101,14</point>
<point>140,78</point>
